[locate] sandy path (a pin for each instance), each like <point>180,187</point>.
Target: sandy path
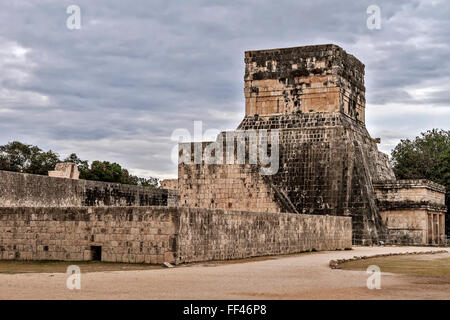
<point>304,276</point>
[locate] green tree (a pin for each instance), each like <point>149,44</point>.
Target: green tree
<point>425,157</point>
<point>148,182</point>
<point>25,158</point>
<point>42,162</point>
<point>15,156</point>
<point>19,157</point>
<point>443,172</point>
<point>113,172</point>
<point>105,171</point>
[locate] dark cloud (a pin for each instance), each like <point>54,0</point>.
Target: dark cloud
<point>135,71</point>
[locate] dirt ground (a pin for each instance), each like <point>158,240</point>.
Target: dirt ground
<point>16,267</point>
<point>304,276</point>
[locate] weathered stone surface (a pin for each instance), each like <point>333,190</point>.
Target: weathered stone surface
<point>332,185</point>
<point>314,97</point>
<point>29,190</point>
<point>221,235</point>
<point>133,235</point>
<point>412,210</point>
<point>170,184</point>
<point>65,170</point>
<point>322,78</point>
<point>162,234</point>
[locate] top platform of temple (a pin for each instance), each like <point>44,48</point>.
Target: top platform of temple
<point>318,78</point>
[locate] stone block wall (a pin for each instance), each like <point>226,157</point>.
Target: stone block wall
<point>410,190</point>
<point>222,235</point>
<point>169,184</point>
<point>406,226</point>
<point>29,190</point>
<point>412,210</point>
<point>327,163</point>
<point>314,97</point>
<point>158,234</point>
<point>321,78</point>
<point>133,235</point>
<point>232,187</point>
<point>65,170</point>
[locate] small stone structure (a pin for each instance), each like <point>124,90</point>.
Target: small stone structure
<point>169,184</point>
<point>65,170</point>
<point>412,210</point>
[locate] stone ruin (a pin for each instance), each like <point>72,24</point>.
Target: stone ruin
<point>65,170</point>
<point>314,96</point>
<point>331,187</point>
<point>169,184</point>
<point>53,218</point>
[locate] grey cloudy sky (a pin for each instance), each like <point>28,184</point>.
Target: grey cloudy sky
<point>136,70</point>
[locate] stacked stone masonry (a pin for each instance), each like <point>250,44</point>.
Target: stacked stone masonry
<point>170,184</point>
<point>332,186</point>
<point>304,79</point>
<point>162,234</point>
<point>413,211</point>
<point>65,170</point>
<point>30,190</point>
<point>313,97</point>
<point>327,164</point>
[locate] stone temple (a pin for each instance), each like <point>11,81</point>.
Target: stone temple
<point>328,164</point>
<point>330,187</point>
